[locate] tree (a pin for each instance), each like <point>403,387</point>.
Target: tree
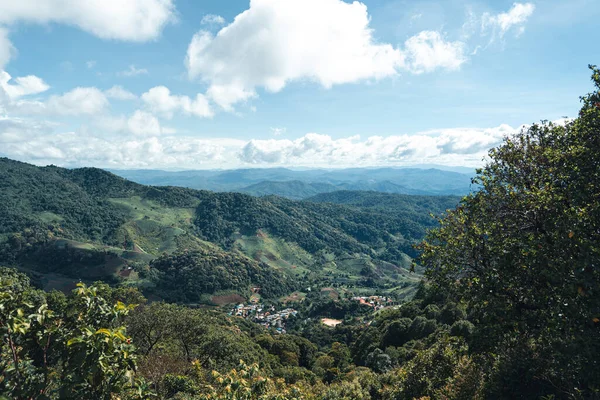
<point>523,254</point>
<point>396,333</point>
<point>81,353</point>
<point>340,354</point>
<point>248,382</point>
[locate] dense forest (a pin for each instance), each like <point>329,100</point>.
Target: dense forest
<point>321,226</point>
<point>183,278</point>
<point>509,307</point>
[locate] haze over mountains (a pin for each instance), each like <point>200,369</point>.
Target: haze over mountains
<point>301,184</point>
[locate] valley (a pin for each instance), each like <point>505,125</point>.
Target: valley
<point>92,225</point>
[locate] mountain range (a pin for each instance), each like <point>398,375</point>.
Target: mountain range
<point>301,184</point>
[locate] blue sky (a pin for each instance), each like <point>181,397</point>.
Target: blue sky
<point>224,84</point>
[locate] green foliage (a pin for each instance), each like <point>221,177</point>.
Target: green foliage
<point>510,309</point>
<point>427,373</point>
<point>522,254</point>
<point>329,227</point>
<point>185,277</point>
<point>27,191</point>
<point>171,331</point>
<point>462,328</point>
<point>247,382</point>
<point>82,352</point>
<point>397,333</point>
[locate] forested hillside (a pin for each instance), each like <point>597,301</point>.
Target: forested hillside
<point>295,190</point>
<point>86,224</point>
<point>323,226</point>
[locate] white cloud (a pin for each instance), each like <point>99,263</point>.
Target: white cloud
<point>330,42</point>
<point>275,42</point>
<point>133,71</point>
<point>160,100</point>
<point>449,146</point>
<point>228,95</point>
<point>90,64</point>
<point>428,51</point>
<point>517,16</point>
<point>144,123</point>
<point>119,93</point>
<point>153,146</point>
<point>18,130</point>
<point>79,101</point>
<point>32,142</point>
<point>131,20</point>
<point>7,49</point>
<point>140,123</point>
<point>22,86</point>
<point>211,19</point>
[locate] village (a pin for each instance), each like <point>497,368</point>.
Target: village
<point>266,316</point>
<point>269,317</point>
<point>377,302</point>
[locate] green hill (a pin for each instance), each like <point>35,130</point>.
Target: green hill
<point>87,224</point>
<point>295,190</point>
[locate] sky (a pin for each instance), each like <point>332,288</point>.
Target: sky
<point>204,84</point>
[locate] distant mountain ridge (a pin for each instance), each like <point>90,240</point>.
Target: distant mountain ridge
<point>295,184</point>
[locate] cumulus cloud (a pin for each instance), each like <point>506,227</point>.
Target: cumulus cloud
<point>149,144</point>
<point>330,42</point>
<point>79,101</point>
<point>516,17</point>
<point>133,71</point>
<point>144,123</point>
<point>131,20</point>
<point>140,123</point>
<point>7,49</point>
<point>160,100</point>
<point>211,19</point>
<point>428,51</point>
<point>119,93</point>
<point>25,140</point>
<point>22,86</point>
<point>227,95</point>
<point>462,146</point>
<point>18,130</point>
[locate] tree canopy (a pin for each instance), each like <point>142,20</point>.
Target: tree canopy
<point>523,255</point>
